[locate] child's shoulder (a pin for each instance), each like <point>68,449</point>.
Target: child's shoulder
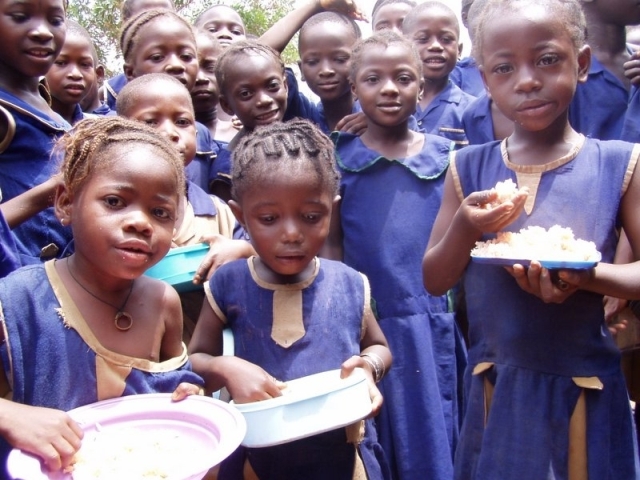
<point>23,279</point>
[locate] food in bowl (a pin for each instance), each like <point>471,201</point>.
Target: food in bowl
<point>131,453</point>
<point>537,243</point>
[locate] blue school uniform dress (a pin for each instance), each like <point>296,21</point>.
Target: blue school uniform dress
<point>467,76</point>
<point>9,259</point>
<point>103,110</point>
<point>292,331</point>
<point>112,88</point>
<point>443,116</point>
<point>631,125</point>
<point>599,104</point>
<point>207,150</point>
<point>387,211</point>
<point>25,161</point>
<point>477,121</point>
<point>49,350</point>
<point>531,363</point>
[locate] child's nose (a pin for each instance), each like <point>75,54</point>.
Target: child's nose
<point>168,130</point>
<point>389,87</point>
<point>138,221</point>
<point>41,31</point>
<point>326,68</point>
<point>290,232</point>
<point>436,45</point>
<point>174,64</point>
<point>75,72</point>
<point>527,79</point>
<point>264,99</point>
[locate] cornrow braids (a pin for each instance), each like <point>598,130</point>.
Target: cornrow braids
<point>294,147</point>
<point>132,27</point>
<point>85,148</point>
<point>238,49</point>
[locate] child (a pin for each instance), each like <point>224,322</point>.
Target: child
<point>389,14</point>
<point>291,313</point>
<point>223,22</point>
<point>205,93</point>
<point>466,74</point>
<point>545,394</point>
<point>72,74</point>
<point>434,29</point>
<point>599,105</point>
<point>164,103</point>
<point>100,328</point>
<point>130,9</point>
<point>28,125</point>
<point>392,180</point>
<point>161,41</point>
<point>252,84</point>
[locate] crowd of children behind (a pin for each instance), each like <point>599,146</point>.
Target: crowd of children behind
<point>339,230</point>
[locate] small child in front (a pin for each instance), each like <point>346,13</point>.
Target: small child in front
<point>546,397</point>
<point>92,326</point>
<point>292,314</point>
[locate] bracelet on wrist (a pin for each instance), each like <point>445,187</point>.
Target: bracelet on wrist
<point>376,363</point>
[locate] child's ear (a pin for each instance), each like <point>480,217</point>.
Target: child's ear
<point>353,90</point>
<point>100,74</point>
<point>63,204</point>
<point>237,212</point>
<point>226,108</point>
<point>301,72</point>
<point>460,46</point>
<point>484,80</point>
<point>421,91</point>
<point>584,63</point>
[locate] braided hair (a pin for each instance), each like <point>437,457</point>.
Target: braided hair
<point>294,147</point>
<point>87,147</point>
<point>131,29</point>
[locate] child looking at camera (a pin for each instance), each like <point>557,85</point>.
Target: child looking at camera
<point>101,328</point>
<point>542,364</point>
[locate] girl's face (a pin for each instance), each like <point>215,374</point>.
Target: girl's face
<point>167,108</point>
<point>165,45</point>
<point>435,34</point>
<point>325,54</point>
<point>388,84</point>
<point>287,218</point>
<point>390,17</point>
<point>123,216</point>
<point>531,67</point>
<point>224,23</point>
<point>31,33</point>
<point>73,73</point>
<point>205,93</point>
<point>255,91</point>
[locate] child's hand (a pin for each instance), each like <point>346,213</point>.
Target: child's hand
<point>550,288</point>
<point>52,435</point>
<point>221,250</point>
<point>346,7</point>
<point>354,123</point>
<point>185,389</point>
<point>632,68</point>
<point>347,368</point>
<point>247,382</point>
<point>488,220</point>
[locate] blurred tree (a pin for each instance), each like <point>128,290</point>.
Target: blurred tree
<point>101,18</point>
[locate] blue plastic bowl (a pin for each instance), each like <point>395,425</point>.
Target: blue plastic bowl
<point>179,266</point>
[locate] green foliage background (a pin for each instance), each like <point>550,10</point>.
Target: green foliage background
<point>101,18</point>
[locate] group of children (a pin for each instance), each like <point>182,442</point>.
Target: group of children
<point>338,230</point>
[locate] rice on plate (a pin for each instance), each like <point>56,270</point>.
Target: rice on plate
<point>536,243</point>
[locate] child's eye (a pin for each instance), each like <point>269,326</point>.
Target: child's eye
<point>156,57</point>
<point>404,79</point>
<point>311,62</point>
<point>267,219</point>
<point>113,202</point>
<point>19,17</point>
<point>312,217</point>
<point>548,59</point>
<point>161,213</point>
<point>237,31</point>
<point>342,59</point>
<point>212,29</point>
<point>87,65</point>
<point>371,79</point>
<point>245,94</point>
<point>274,85</point>
<point>502,69</point>
<point>60,63</point>
<point>422,40</point>
<point>184,122</point>
<point>187,57</point>
<point>57,21</point>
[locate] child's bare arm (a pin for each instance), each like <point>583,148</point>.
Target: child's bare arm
<point>21,208</point>
<point>46,433</point>
<point>171,345</point>
<point>245,381</point>
<point>458,226</point>
<point>281,33</point>
<point>332,248</point>
<point>221,250</point>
